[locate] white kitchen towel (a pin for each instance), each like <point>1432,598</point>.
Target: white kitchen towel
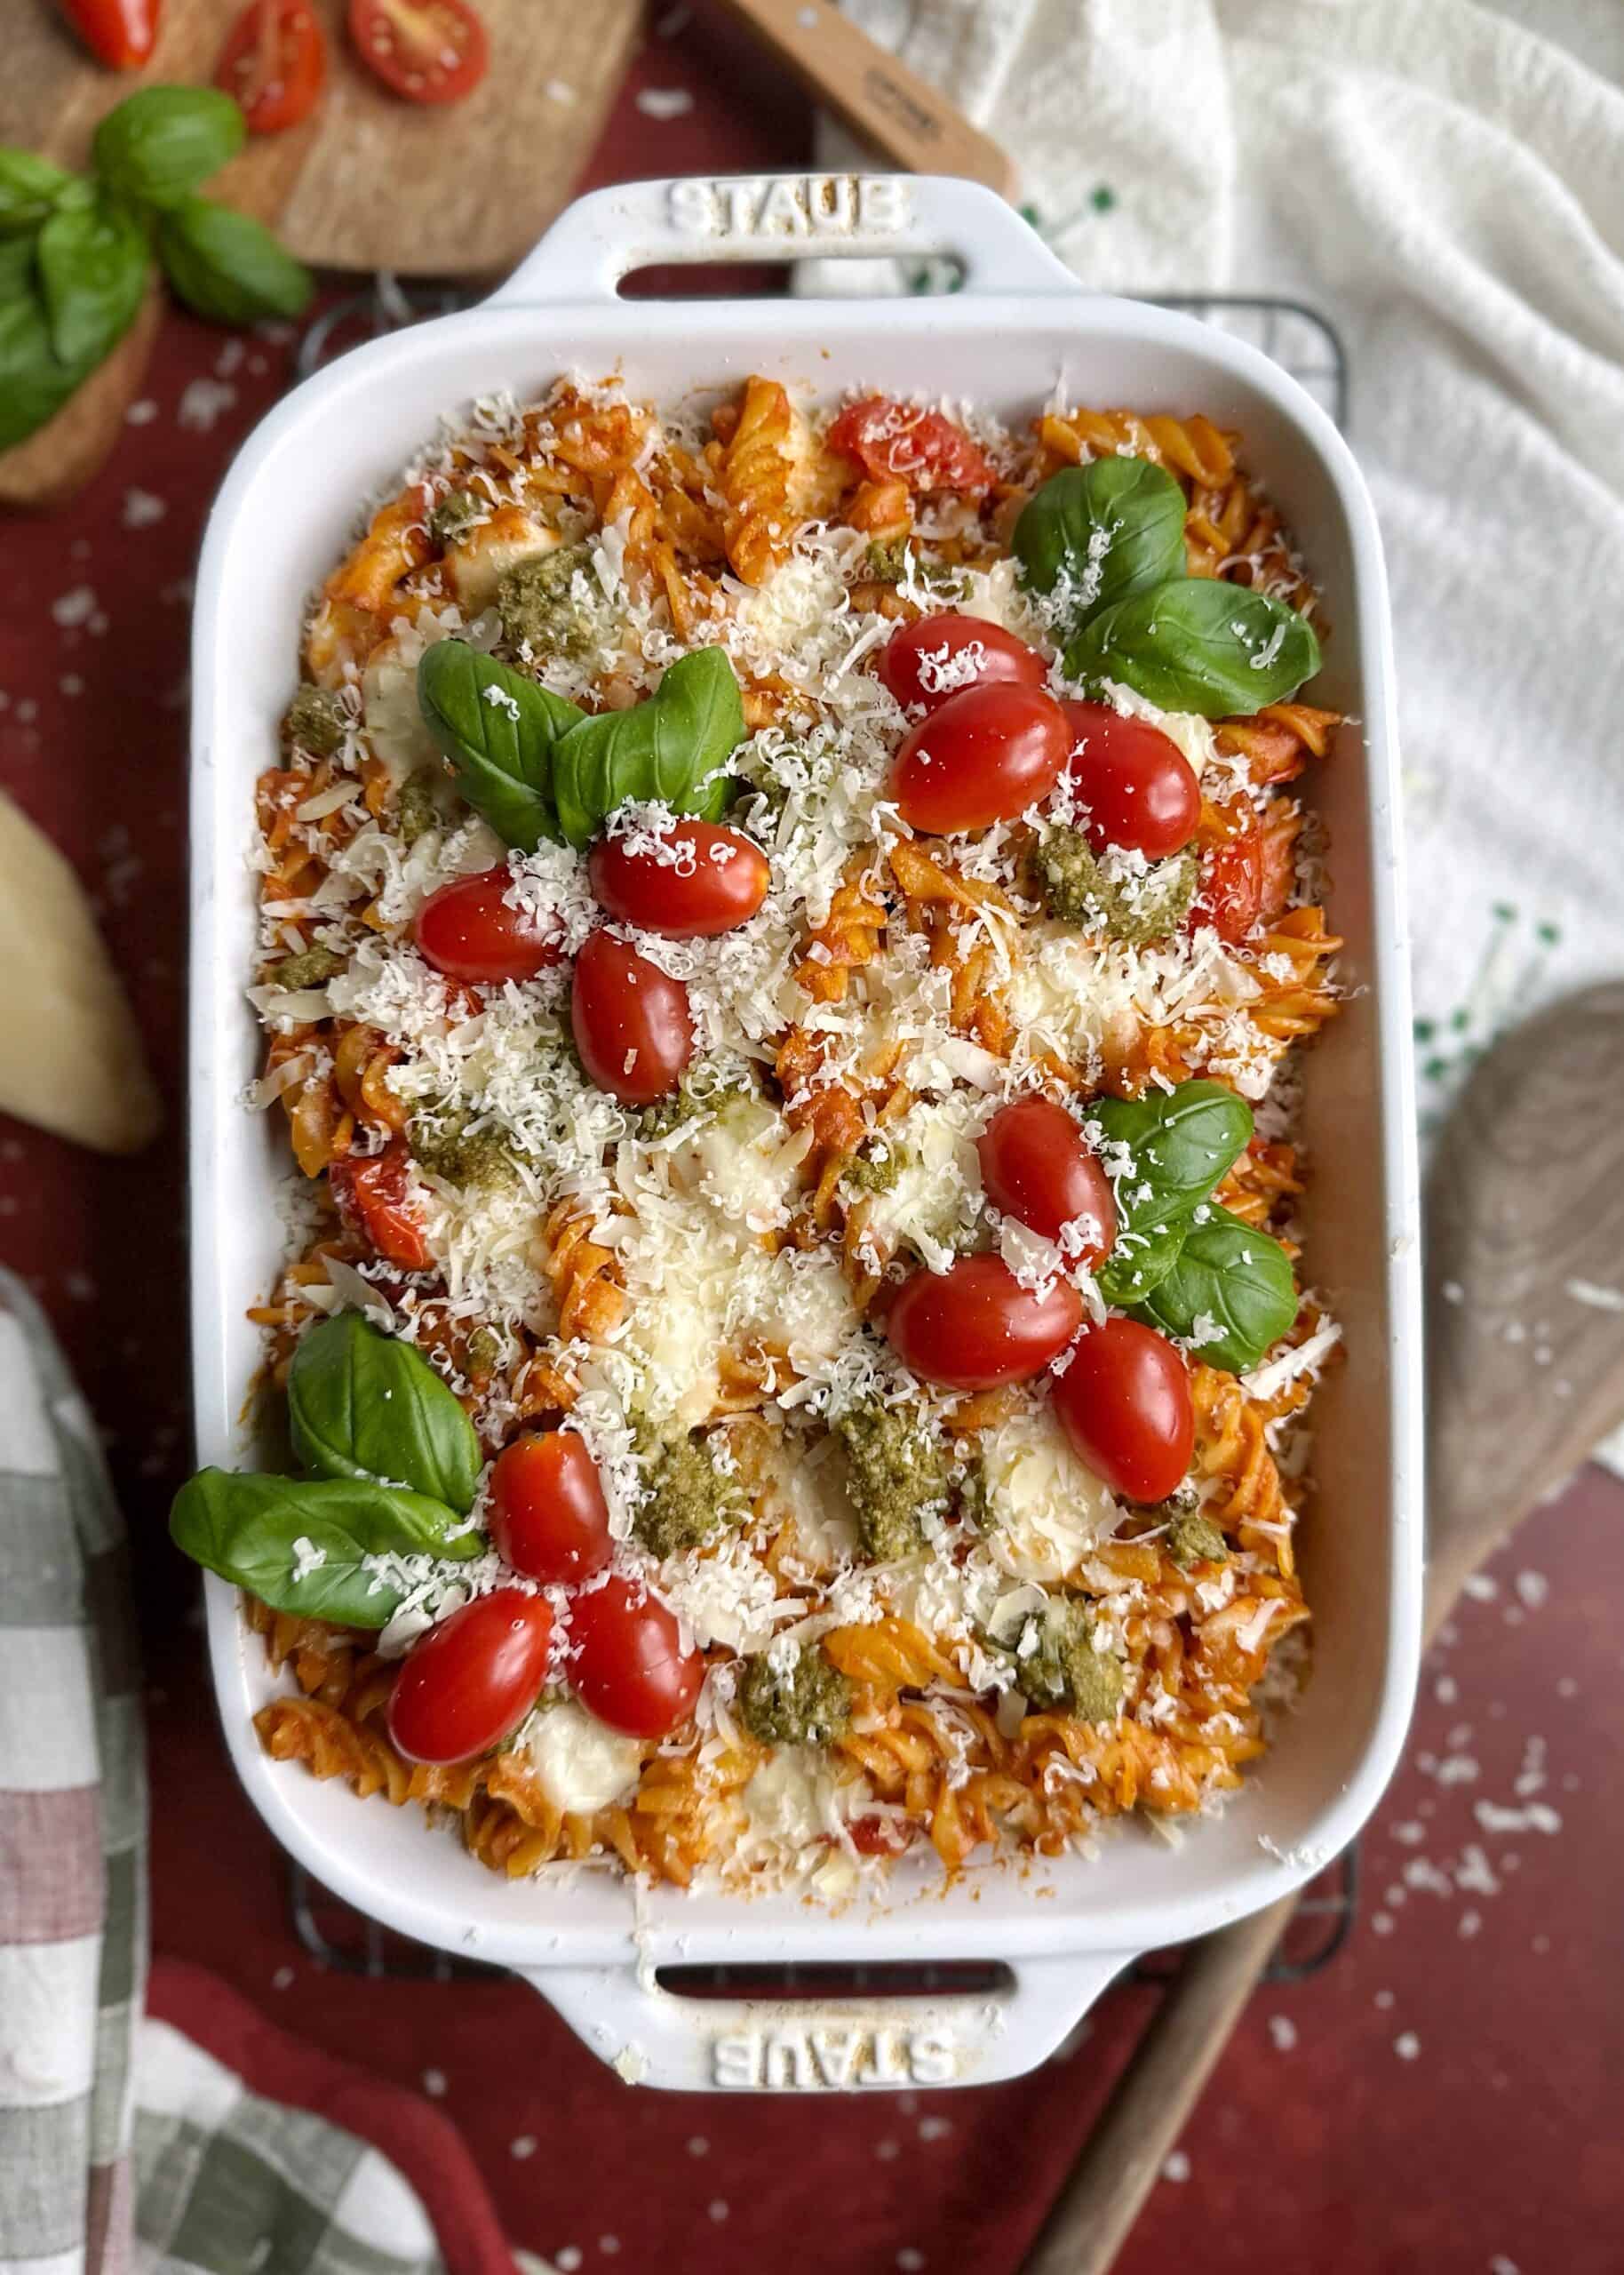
<point>1445,183</point>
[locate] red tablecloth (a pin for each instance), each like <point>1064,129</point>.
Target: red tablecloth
<point>1446,2095</point>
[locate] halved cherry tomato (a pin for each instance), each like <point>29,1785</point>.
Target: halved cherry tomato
<point>1037,1166</point>
<point>628,1666</point>
<point>704,880</point>
<point>1140,789</point>
<point>1124,1402</point>
<point>881,1836</point>
<point>373,1195</point>
<point>548,1517</point>
<point>900,440</point>
<point>273,64</point>
<point>468,931</point>
<point>631,1022</point>
<point>429,51</point>
<point>933,656</point>
<point>984,755</point>
<point>120,33</point>
<point>471,1680</point>
<point>1230,897</point>
<point>973,1326</point>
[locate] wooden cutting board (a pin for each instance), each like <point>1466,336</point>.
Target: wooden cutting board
<point>368,181</point>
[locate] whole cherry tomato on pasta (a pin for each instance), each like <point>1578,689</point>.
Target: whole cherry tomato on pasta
<point>974,1326</point>
<point>548,1517</point>
<point>631,1022</point>
<point>428,51</point>
<point>1124,1403</point>
<point>906,442</point>
<point>690,882</point>
<point>374,1193</point>
<point>935,656</point>
<point>1038,1167</point>
<point>471,1680</point>
<point>119,33</point>
<point>1140,789</point>
<point>273,64</point>
<point>469,930</point>
<point>984,756</point>
<point>627,1665</point>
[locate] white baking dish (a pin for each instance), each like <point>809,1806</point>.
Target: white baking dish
<point>1019,324</point>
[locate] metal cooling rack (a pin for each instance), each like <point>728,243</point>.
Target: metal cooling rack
<point>1304,343</point>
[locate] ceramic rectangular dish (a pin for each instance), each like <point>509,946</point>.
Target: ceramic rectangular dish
<point>1019,325</point>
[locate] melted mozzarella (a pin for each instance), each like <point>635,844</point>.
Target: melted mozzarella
<point>1051,1508</point>
<point>580,1762</point>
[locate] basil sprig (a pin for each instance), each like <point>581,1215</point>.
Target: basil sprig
<point>246,1526</point>
<point>364,1404</point>
<point>1231,1276</point>
<point>397,1467</point>
<point>76,251</point>
<point>1198,645</point>
<point>673,746</point>
<point>1179,1261</point>
<point>499,732</point>
<point>1099,532</point>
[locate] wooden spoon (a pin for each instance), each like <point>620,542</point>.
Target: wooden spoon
<point>1525,1198</point>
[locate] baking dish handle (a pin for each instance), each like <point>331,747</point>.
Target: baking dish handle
<point>606,235</point>
<point>655,2037</point>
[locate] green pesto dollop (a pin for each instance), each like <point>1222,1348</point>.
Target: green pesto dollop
<point>449,521</point>
<point>877,1171</point>
<point>688,1499</point>
<point>1135,907</point>
<point>895,1472</point>
<point>1194,1539</point>
<point>701,1095</point>
<point>808,1703</point>
<point>316,720</point>
<point>415,809</point>
<point>539,609</point>
<point>483,1355</point>
<point>455,1145</point>
<point>888,560</point>
<point>1067,1671</point>
<point>310,968</point>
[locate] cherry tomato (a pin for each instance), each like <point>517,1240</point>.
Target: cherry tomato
<point>429,51</point>
<point>1124,1402</point>
<point>471,1680</point>
<point>373,1195</point>
<point>984,755</point>
<point>973,1326</point>
<point>119,33</point>
<point>1140,789</point>
<point>933,658</point>
<point>548,1517</point>
<point>468,931</point>
<point>273,64</point>
<point>629,1668</point>
<point>1036,1166</point>
<point>631,1023</point>
<point>705,879</point>
<point>899,440</point>
<point>1231,894</point>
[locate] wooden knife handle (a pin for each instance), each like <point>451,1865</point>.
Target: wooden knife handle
<point>907,121</point>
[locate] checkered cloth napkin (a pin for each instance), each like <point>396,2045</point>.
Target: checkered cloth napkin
<point>163,2126</point>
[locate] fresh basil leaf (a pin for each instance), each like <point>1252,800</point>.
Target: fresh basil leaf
<point>1139,1260</point>
<point>1230,1276</point>
<point>1092,534</point>
<point>227,266</point>
<point>1182,1143</point>
<point>245,1527</point>
<point>92,271</point>
<point>499,730</point>
<point>29,187</point>
<point>363,1404</point>
<point>673,746</point>
<point>34,382</point>
<point>161,142</point>
<point>1198,644</point>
